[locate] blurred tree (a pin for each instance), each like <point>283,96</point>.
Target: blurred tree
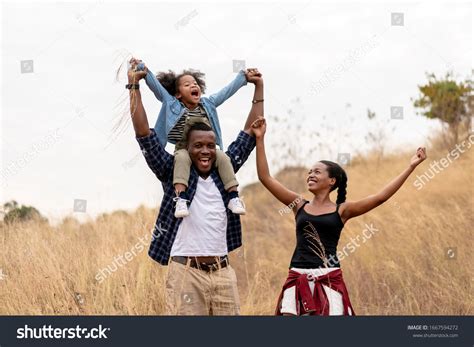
<point>14,212</point>
<point>449,101</point>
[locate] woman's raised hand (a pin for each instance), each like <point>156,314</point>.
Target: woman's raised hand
<point>133,75</point>
<point>419,156</point>
<point>259,127</point>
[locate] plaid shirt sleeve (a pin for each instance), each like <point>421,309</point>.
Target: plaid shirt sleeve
<point>240,149</point>
<point>158,160</point>
<point>166,226</point>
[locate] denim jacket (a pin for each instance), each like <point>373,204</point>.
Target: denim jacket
<point>172,109</point>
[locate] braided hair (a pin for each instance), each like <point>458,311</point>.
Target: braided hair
<point>337,172</point>
<point>170,80</point>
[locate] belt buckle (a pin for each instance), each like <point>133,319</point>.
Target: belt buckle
<point>213,267</point>
<point>203,266</point>
<point>310,277</point>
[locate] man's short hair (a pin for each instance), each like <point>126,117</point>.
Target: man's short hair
<point>198,126</point>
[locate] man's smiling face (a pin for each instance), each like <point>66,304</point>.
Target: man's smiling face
<point>202,150</point>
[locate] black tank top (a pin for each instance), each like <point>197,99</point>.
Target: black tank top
<point>316,239</point>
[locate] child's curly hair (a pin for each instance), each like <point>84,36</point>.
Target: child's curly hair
<point>170,81</point>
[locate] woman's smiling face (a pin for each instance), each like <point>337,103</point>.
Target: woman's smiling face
<point>318,178</point>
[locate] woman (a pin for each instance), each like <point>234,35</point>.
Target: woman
<point>315,285</point>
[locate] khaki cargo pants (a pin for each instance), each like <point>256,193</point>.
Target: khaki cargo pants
<point>191,291</point>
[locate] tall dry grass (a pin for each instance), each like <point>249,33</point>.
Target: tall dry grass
<point>402,270</point>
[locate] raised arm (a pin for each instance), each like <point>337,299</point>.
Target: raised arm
<point>257,110</point>
<point>279,191</point>
<point>137,111</point>
<point>240,149</point>
<point>352,209</point>
<point>152,82</point>
<point>158,160</point>
<point>222,95</point>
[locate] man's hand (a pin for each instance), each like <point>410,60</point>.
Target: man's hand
<point>253,76</point>
<point>135,76</point>
<point>259,127</point>
<point>419,156</point>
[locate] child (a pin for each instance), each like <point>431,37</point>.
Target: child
<point>182,106</point>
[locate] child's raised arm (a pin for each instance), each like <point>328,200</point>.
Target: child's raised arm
<point>352,209</point>
<point>152,82</point>
<point>222,95</point>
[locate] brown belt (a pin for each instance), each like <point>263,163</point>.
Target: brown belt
<point>207,264</point>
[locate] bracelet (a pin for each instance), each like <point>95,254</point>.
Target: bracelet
<point>256,101</point>
<point>132,86</point>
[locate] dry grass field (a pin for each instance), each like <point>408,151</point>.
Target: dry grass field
<point>405,268</point>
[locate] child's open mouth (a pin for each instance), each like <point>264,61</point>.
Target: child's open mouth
<point>195,93</point>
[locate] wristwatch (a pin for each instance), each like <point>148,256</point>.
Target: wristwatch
<point>132,86</point>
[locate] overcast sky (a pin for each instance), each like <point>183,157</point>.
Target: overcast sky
<point>324,65</point>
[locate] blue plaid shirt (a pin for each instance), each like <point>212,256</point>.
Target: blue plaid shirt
<point>162,164</point>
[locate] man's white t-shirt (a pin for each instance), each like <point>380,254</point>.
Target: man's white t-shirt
<point>204,231</point>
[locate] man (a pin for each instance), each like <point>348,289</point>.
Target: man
<point>200,279</point>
